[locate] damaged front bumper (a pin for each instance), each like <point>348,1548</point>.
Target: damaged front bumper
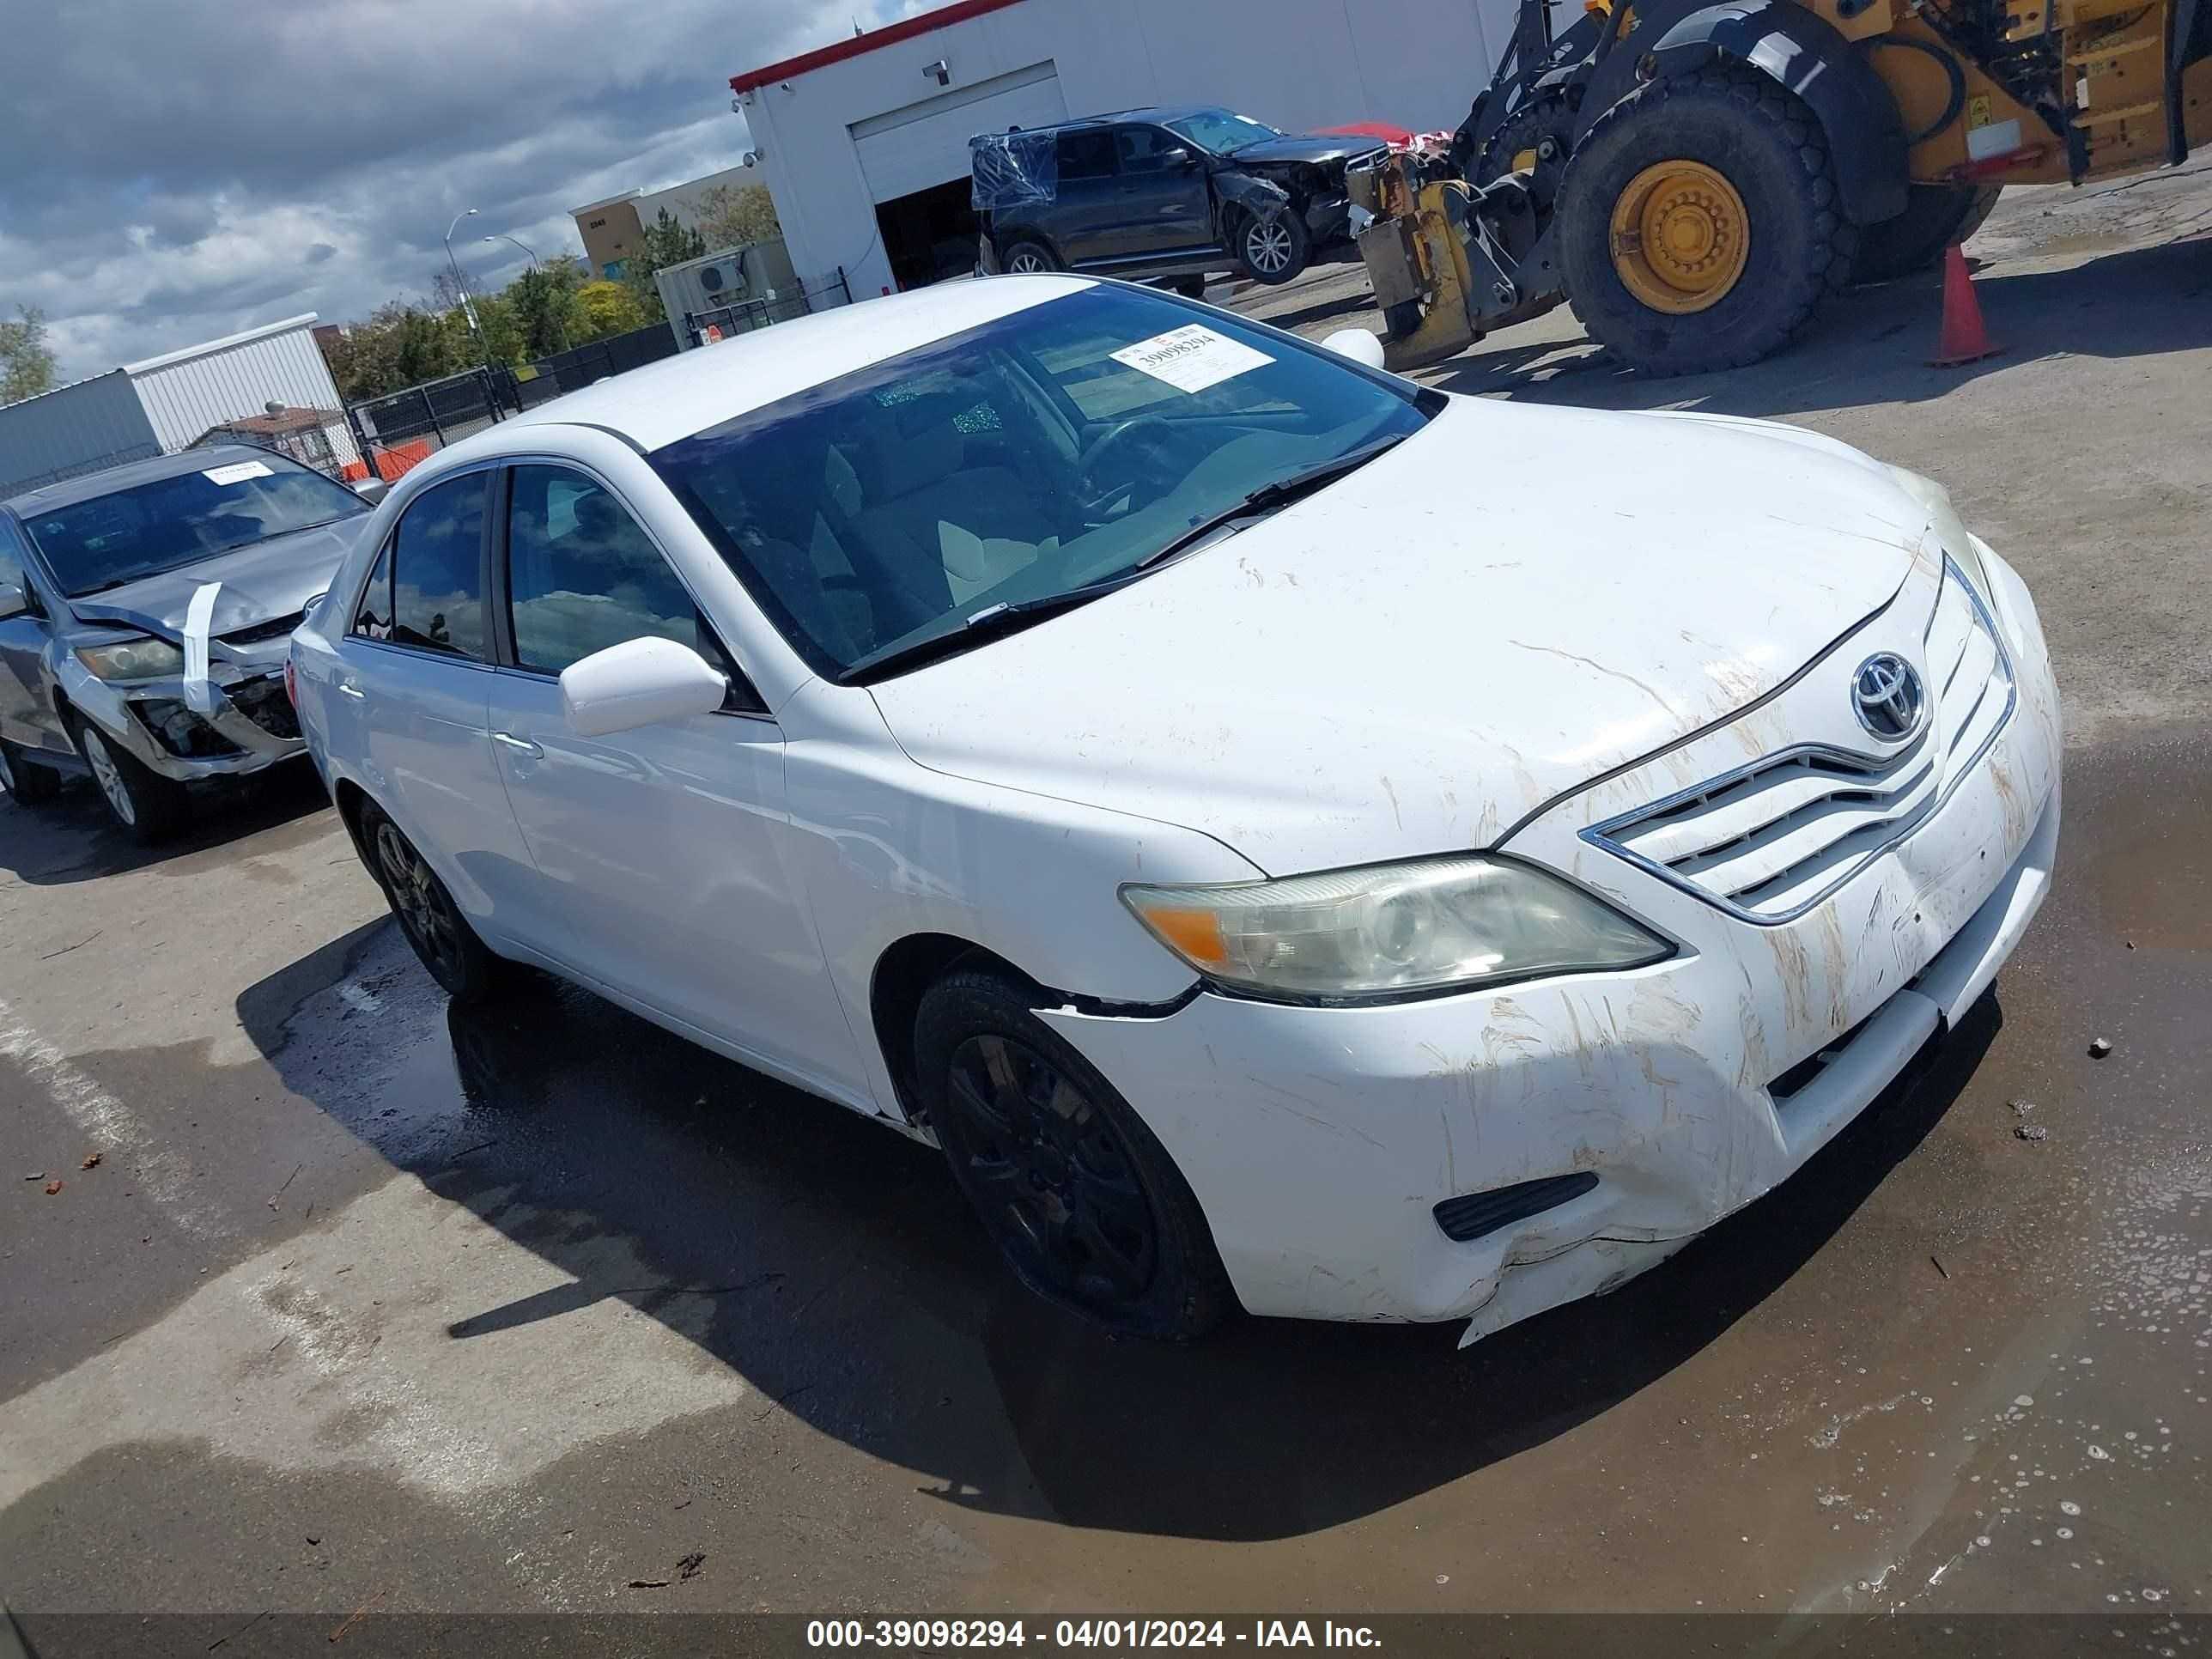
<point>252,726</point>
<point>1320,1141</point>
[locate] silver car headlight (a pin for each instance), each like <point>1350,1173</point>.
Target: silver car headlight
<point>1950,528</point>
<point>132,659</point>
<point>1392,929</point>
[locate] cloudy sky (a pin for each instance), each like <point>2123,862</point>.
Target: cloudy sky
<point>175,170</point>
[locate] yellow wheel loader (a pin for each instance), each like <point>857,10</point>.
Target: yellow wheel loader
<point>1698,177</point>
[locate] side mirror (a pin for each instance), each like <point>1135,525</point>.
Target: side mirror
<point>1178,160</point>
<point>372,490</point>
<point>641,682</point>
<point>14,601</point>
<point>1356,344</point>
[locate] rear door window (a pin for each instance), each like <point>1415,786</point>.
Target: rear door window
<point>437,570</point>
<point>1088,154</point>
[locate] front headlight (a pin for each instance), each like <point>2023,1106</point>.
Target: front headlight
<point>132,659</point>
<point>1950,528</point>
<point>1391,929</point>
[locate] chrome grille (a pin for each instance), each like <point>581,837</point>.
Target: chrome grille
<point>1768,841</point>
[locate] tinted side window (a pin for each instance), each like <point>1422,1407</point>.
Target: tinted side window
<point>1146,149</point>
<point>582,576</point>
<point>1088,154</point>
<point>437,589</point>
<point>372,618</point>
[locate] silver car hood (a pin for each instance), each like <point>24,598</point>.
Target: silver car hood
<point>262,583</point>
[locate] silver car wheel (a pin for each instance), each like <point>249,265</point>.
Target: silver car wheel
<point>109,777</point>
<point>1027,264</point>
<point>1267,246</point>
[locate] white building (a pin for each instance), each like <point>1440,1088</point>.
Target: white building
<point>170,402</point>
<point>864,143</point>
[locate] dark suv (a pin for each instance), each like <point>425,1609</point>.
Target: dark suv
<point>1163,192</point>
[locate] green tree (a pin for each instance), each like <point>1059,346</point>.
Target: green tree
<point>27,365</point>
<point>605,307</point>
<point>543,301</point>
<point>737,216</point>
<point>666,241</point>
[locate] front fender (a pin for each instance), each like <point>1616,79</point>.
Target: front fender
<point>1801,51</point>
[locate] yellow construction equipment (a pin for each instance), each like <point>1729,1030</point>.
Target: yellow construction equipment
<point>1699,177</point>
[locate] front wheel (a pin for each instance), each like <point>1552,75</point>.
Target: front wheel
<point>1699,225</point>
<point>441,936</point>
<point>1273,247</point>
<point>1084,1204</point>
<point>151,807</point>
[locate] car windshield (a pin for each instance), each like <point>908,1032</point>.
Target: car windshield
<point>1049,452</point>
<point>167,523</point>
<point>1222,132</point>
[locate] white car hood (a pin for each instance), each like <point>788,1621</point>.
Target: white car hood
<point>1513,602</point>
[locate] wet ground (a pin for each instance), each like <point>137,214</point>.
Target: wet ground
<point>368,1300</point>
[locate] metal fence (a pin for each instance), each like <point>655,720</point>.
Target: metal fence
<point>402,428</point>
<point>706,327</point>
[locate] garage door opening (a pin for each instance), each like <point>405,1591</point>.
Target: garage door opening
<point>930,234</point>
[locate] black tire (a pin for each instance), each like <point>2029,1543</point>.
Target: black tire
<point>26,779</point>
<point>443,940</point>
<point>1737,122</point>
<point>1082,1201</point>
<point>1027,257</point>
<point>1934,216</point>
<point>1191,288</point>
<point>152,808</point>
<point>1273,248</point>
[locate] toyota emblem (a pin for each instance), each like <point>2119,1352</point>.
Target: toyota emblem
<point>1889,697</point>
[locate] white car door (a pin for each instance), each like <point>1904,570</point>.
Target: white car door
<point>658,850</point>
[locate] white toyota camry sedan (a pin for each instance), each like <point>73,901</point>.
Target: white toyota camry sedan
<point>1294,839</point>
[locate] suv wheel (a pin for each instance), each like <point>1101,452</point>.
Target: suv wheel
<point>151,807</point>
<point>1029,260</point>
<point>1272,248</point>
<point>26,779</point>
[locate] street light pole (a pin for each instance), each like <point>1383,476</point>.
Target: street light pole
<point>558,322</point>
<point>460,283</point>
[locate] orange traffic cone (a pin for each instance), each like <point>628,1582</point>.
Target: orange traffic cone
<point>1963,338</point>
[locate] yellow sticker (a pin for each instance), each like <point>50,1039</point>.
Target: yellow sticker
<point>1977,110</point>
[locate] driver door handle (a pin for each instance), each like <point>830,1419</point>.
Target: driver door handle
<point>519,744</point>
<point>352,690</point>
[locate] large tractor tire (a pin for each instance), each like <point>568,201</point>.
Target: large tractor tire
<point>1535,139</point>
<point>1934,216</point>
<point>1699,223</point>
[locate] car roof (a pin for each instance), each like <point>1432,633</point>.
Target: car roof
<point>1160,113</point>
<point>664,401</point>
<point>69,491</point>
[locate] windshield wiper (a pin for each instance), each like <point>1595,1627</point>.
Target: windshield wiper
<point>997,621</point>
<point>992,622</point>
<point>1270,498</point>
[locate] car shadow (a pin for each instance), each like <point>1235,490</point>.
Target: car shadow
<point>1871,344</point>
<point>73,837</point>
<point>849,1286</point>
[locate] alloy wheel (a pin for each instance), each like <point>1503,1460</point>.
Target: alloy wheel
<point>1051,1172</point>
<point>419,900</point>
<point>1026,264</point>
<point>1267,246</point>
<point>109,776</point>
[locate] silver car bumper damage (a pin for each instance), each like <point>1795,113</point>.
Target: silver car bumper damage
<point>237,685</point>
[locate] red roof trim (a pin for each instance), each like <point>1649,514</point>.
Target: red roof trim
<point>889,34</point>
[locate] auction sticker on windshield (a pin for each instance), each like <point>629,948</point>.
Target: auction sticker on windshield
<point>236,472</point>
<point>1192,359</point>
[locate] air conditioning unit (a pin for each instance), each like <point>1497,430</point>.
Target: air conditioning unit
<point>723,280</point>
